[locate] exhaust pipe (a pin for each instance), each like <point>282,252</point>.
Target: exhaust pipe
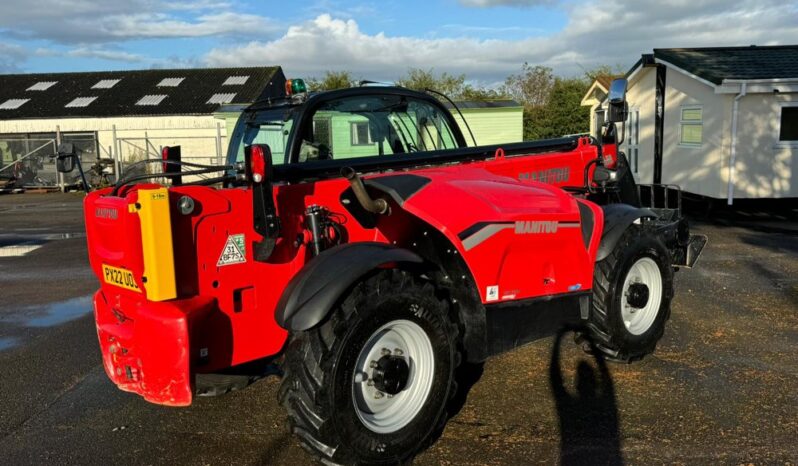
<point>375,206</point>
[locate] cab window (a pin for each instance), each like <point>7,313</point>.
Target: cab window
<point>375,126</point>
<point>271,127</point>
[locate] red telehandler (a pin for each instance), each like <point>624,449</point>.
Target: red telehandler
<point>355,239</point>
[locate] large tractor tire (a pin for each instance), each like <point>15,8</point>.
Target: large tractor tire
<point>632,291</point>
<point>372,383</point>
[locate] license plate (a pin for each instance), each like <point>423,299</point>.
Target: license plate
<point>120,277</point>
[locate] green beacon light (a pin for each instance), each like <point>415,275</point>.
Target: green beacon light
<point>295,86</point>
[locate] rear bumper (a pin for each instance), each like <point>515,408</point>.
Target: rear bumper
<point>151,352</point>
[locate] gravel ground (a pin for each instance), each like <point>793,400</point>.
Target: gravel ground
<point>720,388</point>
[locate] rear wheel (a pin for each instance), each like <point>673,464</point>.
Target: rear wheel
<point>632,290</point>
<point>371,384</point>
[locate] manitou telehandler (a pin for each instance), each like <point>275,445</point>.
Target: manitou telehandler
<point>355,239</point>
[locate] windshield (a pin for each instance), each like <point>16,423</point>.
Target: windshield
<point>349,127</point>
<point>271,126</point>
<point>373,126</point>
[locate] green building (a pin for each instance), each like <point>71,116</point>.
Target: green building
<point>492,122</point>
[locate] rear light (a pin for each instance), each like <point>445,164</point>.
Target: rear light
<point>165,157</point>
<point>257,164</point>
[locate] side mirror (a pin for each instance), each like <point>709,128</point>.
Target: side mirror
<point>617,108</point>
<point>618,91</point>
<point>65,157</point>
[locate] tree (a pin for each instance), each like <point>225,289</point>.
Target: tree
<point>453,86</point>
<point>531,87</point>
<point>420,80</point>
<point>332,80</point>
<point>603,71</point>
<point>562,114</point>
<point>481,94</point>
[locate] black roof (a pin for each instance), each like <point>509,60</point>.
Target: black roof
<point>718,63</point>
<point>189,97</point>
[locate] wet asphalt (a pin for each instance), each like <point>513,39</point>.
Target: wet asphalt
<point>720,389</point>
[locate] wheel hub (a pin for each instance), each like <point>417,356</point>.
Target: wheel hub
<point>391,374</point>
<point>638,295</point>
<point>641,296</point>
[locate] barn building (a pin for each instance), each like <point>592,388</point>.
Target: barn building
<point>124,115</point>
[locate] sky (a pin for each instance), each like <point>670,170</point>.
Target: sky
<point>379,40</point>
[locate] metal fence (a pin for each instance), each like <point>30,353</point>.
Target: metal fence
<point>196,149</point>
<point>26,160</point>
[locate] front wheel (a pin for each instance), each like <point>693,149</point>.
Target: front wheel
<point>632,290</point>
<point>371,384</point>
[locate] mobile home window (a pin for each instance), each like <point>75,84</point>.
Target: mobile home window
<point>788,130</point>
<point>692,126</point>
<point>361,135</point>
<point>322,131</point>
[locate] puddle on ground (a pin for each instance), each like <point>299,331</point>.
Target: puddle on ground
<point>7,343</point>
<point>52,314</point>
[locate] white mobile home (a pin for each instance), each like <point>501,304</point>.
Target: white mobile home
<point>720,122</point>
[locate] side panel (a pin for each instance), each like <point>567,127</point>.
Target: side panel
<point>520,239</point>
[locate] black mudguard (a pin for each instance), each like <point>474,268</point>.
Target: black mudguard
<point>617,218</point>
<point>313,292</point>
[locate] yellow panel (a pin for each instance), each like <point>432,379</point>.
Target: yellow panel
<point>156,242</point>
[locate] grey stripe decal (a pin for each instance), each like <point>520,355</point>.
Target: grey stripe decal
<point>484,233</point>
<point>491,229</point>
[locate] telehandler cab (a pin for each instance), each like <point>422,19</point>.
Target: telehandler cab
<point>356,239</point>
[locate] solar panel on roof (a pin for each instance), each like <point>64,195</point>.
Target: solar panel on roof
<point>151,99</point>
<point>221,98</point>
<point>105,84</point>
<point>235,81</point>
<point>42,85</point>
<point>170,82</point>
<point>12,104</point>
<point>81,102</point>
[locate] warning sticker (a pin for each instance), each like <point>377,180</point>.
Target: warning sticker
<point>492,293</point>
<point>234,251</point>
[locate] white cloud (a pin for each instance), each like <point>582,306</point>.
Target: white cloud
<point>328,43</point>
<point>102,21</point>
<point>147,25</point>
<point>105,54</point>
<point>600,32</point>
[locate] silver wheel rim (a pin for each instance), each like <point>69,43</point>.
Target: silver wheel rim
<point>638,320</point>
<point>380,412</point>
